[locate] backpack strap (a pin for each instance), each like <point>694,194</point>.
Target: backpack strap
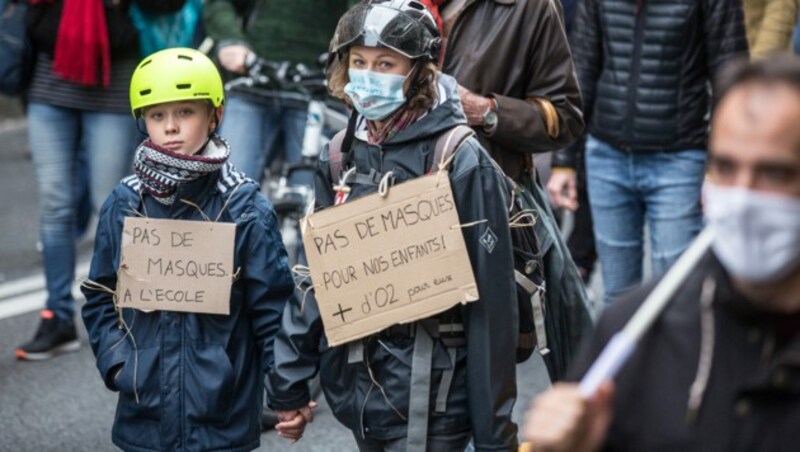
<point>335,154</point>
<point>335,163</point>
<point>420,385</point>
<point>447,144</point>
<point>537,337</point>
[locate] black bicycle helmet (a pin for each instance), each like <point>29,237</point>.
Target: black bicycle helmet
<point>405,26</point>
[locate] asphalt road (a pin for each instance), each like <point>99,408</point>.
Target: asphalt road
<point>62,404</point>
<point>18,204</point>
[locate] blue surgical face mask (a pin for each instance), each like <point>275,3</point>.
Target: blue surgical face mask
<point>375,95</point>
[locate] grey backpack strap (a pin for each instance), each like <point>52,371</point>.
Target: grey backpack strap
<point>335,154</point>
<point>538,337</point>
<point>448,144</point>
<point>420,386</point>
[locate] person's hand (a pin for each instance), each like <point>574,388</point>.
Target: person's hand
<point>293,422</point>
<point>474,105</point>
<point>562,188</point>
<point>233,58</point>
<point>562,420</point>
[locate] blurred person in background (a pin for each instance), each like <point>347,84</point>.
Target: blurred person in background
<point>518,89</point>
<point>276,30</point>
<point>179,23</point>
<point>644,80</point>
<point>78,110</point>
<point>576,197</point>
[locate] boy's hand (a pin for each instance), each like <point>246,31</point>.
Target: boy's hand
<point>562,420</point>
<point>293,422</point>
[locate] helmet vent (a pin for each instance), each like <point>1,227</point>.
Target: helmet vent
<point>183,86</point>
<point>185,57</point>
<point>145,63</point>
<point>145,92</point>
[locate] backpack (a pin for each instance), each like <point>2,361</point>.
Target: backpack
<point>528,263</point>
<point>16,52</point>
<point>160,30</point>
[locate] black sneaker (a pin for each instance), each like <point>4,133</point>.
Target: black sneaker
<point>54,337</point>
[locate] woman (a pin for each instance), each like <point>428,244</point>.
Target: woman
<point>81,137</point>
<point>384,69</point>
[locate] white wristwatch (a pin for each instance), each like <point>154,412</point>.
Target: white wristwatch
<point>490,115</point>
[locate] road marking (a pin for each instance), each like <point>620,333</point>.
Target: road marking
<point>21,286</point>
<point>27,294</point>
<point>22,304</point>
<point>13,125</point>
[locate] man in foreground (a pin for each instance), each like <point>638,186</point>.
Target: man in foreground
<point>719,370</point>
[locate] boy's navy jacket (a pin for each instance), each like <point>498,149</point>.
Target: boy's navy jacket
<point>483,388</point>
<point>198,377</point>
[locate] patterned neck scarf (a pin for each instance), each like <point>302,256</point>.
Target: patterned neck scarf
<point>391,125</point>
<point>161,171</point>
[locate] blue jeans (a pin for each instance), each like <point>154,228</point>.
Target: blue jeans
<point>59,138</point>
<point>796,39</point>
<point>625,188</point>
<point>253,128</point>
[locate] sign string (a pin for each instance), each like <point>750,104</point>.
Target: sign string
<point>88,284</point>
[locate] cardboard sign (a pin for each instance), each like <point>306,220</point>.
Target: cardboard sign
<point>176,265</point>
<point>377,262</point>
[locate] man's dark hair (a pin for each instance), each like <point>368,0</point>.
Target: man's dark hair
<point>779,68</point>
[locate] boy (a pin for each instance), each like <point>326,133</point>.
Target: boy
<point>187,381</point>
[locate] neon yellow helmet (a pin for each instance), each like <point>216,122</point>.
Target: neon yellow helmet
<point>172,75</point>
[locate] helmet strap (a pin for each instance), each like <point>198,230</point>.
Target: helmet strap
<point>349,136</point>
<point>141,127</point>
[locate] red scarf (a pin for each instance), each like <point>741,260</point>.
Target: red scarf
<point>433,6</point>
<point>398,121</point>
<point>82,46</point>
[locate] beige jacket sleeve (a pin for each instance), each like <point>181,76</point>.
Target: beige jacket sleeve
<point>770,24</point>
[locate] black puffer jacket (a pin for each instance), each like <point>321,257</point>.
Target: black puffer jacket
<point>483,389</point>
<point>644,68</point>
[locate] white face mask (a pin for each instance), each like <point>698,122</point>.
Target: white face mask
<point>375,95</point>
<point>757,235</point>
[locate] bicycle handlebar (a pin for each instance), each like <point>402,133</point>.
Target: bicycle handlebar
<point>281,76</point>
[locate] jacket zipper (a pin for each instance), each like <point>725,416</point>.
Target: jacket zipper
<point>363,408</point>
<point>634,80</point>
<point>182,382</point>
